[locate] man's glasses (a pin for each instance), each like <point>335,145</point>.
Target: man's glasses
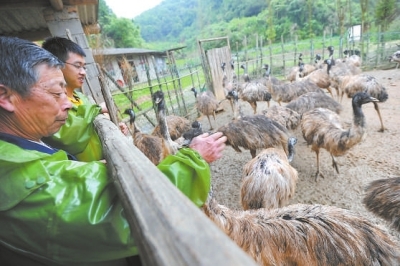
<point>77,66</point>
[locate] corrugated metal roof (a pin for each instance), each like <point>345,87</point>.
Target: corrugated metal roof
<point>25,19</point>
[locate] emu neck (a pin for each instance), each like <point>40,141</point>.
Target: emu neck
<point>355,133</point>
<point>162,121</point>
<point>358,115</point>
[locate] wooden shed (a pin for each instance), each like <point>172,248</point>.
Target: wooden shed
<point>140,61</point>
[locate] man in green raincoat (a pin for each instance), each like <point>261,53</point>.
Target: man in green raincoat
<point>55,210</point>
<point>78,135</point>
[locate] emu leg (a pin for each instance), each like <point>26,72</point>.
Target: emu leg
<point>291,142</point>
<point>341,97</point>
<point>254,106</point>
<point>338,94</point>
<point>235,107</point>
<point>318,173</point>
<point>209,121</point>
<point>380,117</point>
<point>334,164</point>
<point>330,92</point>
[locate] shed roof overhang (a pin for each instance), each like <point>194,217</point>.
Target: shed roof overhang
<point>25,18</point>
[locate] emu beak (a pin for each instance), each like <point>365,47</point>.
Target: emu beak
<point>374,99</point>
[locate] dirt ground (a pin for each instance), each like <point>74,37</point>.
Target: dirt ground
<point>376,157</point>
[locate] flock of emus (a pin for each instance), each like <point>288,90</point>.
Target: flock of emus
<point>267,229</point>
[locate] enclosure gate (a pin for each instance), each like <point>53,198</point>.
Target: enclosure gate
<point>211,62</point>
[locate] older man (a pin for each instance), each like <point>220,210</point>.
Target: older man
<point>53,209</point>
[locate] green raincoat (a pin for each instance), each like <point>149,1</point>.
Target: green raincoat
<point>67,212</point>
<point>78,135</point>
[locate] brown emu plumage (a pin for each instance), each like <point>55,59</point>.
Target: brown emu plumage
<point>177,125</point>
<point>255,132</point>
<point>253,92</point>
<point>153,147</point>
<point>350,85</point>
<point>307,235</point>
<point>207,104</point>
<point>322,128</point>
<point>312,100</point>
<point>382,197</point>
<point>268,180</point>
<point>284,116</point>
<point>289,91</point>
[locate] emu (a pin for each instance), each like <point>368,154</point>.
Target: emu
<point>382,197</point>
<point>303,234</point>
<point>321,128</point>
<point>268,181</point>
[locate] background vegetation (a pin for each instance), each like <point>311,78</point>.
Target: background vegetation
<point>182,22</point>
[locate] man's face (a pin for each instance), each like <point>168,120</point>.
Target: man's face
<point>74,71</point>
<point>45,109</point>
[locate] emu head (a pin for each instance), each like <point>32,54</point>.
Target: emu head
<point>301,66</point>
<point>361,98</point>
<point>233,94</point>
<point>158,98</point>
<point>330,49</point>
<point>194,91</point>
<point>317,57</point>
<point>329,63</point>
<point>267,70</point>
<point>131,114</point>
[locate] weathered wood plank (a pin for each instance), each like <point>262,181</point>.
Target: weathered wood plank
<point>169,229</point>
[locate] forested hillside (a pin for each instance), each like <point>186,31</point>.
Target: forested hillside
<point>185,21</point>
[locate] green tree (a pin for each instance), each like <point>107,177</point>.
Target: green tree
<point>271,34</point>
<point>124,32</point>
<point>105,13</point>
<point>385,13</point>
<point>119,32</point>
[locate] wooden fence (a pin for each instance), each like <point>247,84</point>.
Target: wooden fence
<point>167,227</point>
<point>283,56</point>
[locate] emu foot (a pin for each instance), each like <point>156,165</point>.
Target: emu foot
<point>317,174</point>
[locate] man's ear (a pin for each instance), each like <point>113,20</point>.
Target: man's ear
<point>5,99</point>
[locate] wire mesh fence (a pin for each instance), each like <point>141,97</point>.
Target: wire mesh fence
<point>176,83</point>
<point>179,97</point>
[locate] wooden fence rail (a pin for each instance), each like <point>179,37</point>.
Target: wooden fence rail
<point>168,228</point>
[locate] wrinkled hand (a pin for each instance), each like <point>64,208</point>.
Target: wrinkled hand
<point>210,147</point>
<point>124,128</point>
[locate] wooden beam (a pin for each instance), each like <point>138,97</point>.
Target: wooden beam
<point>80,2</point>
<point>14,4</point>
<point>30,35</point>
<point>57,4</point>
